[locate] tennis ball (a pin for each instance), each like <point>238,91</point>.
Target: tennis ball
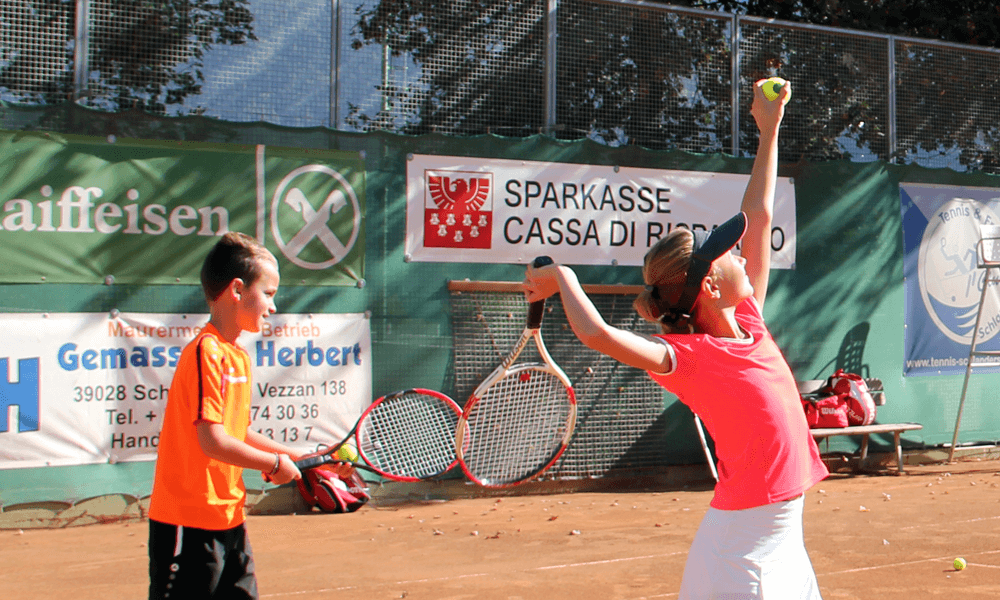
<point>772,87</point>
<point>347,452</point>
<point>959,563</point>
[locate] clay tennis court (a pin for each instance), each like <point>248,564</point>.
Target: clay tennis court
<point>870,536</point>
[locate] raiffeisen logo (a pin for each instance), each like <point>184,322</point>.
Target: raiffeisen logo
<point>950,282</point>
<point>82,209</point>
<point>315,217</point>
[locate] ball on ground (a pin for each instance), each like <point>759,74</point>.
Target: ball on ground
<point>772,87</point>
<point>959,563</point>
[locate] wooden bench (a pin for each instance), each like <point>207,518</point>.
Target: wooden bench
<point>896,429</point>
<point>807,388</point>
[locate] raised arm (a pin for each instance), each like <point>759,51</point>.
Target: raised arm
<point>634,349</point>
<point>758,200</point>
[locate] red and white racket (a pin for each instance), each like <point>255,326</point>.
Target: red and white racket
<point>519,420</point>
<point>404,436</point>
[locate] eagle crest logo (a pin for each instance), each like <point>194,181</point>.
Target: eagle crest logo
<point>459,210</point>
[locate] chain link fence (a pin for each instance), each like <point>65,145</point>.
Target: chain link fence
<point>619,72</point>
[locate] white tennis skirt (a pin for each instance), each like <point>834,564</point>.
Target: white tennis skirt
<point>751,554</point>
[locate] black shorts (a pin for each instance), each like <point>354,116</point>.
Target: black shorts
<point>187,563</point>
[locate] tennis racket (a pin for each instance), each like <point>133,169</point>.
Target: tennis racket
<point>519,420</point>
<point>405,436</point>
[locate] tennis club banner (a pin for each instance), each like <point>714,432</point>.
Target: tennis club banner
<point>466,209</point>
<point>941,231</point>
<point>84,388</point>
<point>78,209</point>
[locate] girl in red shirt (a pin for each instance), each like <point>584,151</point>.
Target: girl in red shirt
<point>717,356</point>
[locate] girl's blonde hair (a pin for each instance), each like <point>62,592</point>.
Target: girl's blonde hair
<point>664,270</point>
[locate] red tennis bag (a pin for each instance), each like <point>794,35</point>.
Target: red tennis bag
<point>826,412</point>
<point>332,492</point>
<point>860,404</point>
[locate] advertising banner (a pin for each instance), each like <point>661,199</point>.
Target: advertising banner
<point>77,209</point>
<point>941,233</point>
<point>466,209</point>
<point>85,388</point>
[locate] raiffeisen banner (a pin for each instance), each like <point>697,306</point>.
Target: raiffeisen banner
<point>76,209</point>
<point>478,210</point>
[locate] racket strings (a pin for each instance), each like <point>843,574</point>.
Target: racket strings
<point>411,435</point>
<point>482,318</point>
<point>517,427</point>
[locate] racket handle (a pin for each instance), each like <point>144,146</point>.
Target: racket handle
<point>312,461</point>
<point>537,309</point>
<point>542,261</point>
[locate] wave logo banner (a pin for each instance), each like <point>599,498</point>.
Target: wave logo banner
<point>942,228</point>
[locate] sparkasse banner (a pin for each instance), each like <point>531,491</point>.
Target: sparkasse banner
<point>467,209</point>
<point>78,209</point>
<point>85,388</point>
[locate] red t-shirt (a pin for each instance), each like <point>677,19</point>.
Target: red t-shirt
<point>745,393</point>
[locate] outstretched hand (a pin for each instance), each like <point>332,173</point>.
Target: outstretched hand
<point>768,113</point>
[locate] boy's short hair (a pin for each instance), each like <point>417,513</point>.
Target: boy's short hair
<point>234,256</point>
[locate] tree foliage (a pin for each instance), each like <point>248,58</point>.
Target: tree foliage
<point>144,54</point>
<point>647,78</point>
<point>469,55</point>
<point>626,73</point>
<point>629,74</point>
<point>961,21</point>
<point>945,97</point>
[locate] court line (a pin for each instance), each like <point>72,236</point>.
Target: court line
<point>950,523</point>
<point>605,562</point>
<point>472,575</point>
<point>946,559</point>
<point>103,563</point>
<point>358,587</point>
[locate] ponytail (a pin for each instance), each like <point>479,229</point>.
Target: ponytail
<point>664,270</point>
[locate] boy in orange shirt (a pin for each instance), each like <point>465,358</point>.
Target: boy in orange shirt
<point>198,546</point>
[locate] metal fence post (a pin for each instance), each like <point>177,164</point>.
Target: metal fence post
<point>334,64</point>
<point>81,48</point>
<point>735,84</point>
<point>551,55</point>
<point>892,99</point>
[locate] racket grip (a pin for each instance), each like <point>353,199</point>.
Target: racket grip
<point>542,261</point>
<point>537,309</point>
<point>312,461</point>
<point>535,312</point>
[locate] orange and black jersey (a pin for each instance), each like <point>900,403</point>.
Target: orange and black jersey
<point>211,384</point>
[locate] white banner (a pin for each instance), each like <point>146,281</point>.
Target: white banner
<point>466,209</point>
<point>84,388</point>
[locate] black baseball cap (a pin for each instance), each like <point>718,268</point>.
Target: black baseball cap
<point>708,246</point>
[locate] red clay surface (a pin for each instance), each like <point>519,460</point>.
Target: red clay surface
<point>870,537</point>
